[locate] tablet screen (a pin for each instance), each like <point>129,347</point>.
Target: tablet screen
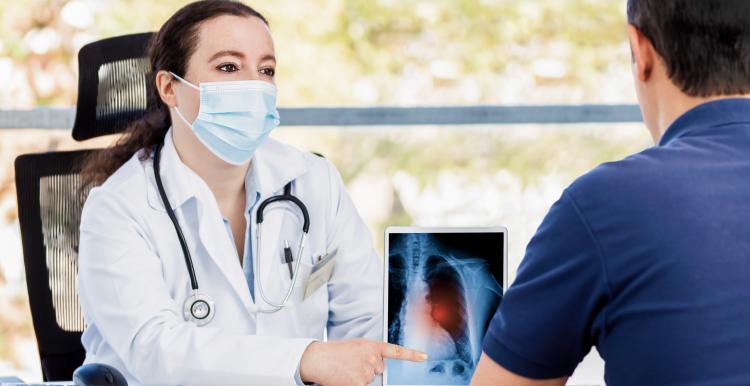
<point>443,289</point>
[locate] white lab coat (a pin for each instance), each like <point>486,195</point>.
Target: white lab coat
<point>132,278</point>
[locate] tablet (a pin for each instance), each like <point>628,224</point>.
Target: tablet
<point>443,286</point>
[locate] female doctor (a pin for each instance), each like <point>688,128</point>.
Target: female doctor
<point>211,254</point>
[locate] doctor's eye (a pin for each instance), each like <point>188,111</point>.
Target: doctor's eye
<point>268,71</point>
<point>228,67</point>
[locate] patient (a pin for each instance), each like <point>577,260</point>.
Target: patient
<point>648,258</point>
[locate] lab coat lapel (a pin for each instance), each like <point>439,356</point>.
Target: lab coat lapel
<point>276,165</point>
<point>177,178</point>
<point>218,245</point>
<point>181,183</point>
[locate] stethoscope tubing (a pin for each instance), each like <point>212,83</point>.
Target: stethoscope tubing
<point>173,217</point>
<point>286,196</point>
<point>275,306</point>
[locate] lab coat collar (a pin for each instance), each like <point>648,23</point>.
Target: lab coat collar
<point>175,176</point>
<point>274,165</point>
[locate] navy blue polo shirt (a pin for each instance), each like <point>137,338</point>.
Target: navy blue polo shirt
<point>648,259</point>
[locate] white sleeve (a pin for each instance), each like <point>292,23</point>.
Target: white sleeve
<point>123,293</point>
<point>356,285</point>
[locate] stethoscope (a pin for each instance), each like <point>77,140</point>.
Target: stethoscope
<point>200,308</point>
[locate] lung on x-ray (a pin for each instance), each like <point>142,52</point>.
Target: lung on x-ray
<point>443,289</point>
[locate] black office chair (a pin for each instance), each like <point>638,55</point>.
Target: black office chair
<point>112,93</point>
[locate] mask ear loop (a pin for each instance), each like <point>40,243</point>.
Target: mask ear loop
<point>184,81</point>
<point>179,114</point>
<point>177,109</point>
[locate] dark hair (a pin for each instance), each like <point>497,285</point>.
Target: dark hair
<point>169,49</point>
<point>705,44</point>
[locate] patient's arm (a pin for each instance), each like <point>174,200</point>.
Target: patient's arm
<point>489,373</point>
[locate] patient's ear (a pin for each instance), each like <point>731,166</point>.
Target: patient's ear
<point>643,54</point>
<point>165,86</point>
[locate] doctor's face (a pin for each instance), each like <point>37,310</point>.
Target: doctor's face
<point>229,48</point>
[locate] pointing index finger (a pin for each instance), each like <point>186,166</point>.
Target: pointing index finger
<point>394,351</point>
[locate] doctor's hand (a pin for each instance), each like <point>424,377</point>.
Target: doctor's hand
<point>350,362</point>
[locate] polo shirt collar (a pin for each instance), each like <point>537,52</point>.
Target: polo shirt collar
<point>708,115</point>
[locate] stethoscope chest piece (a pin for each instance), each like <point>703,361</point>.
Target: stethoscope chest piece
<point>199,309</point>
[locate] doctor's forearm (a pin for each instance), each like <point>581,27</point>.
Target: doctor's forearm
<point>193,355</point>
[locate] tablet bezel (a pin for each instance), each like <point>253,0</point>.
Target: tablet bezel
<point>400,229</point>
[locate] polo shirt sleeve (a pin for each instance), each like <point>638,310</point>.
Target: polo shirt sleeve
<point>551,316</point>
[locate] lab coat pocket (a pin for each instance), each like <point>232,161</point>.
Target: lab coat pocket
<point>305,270</point>
<point>300,280</point>
<point>302,317</point>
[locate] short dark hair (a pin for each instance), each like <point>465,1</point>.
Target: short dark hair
<point>705,44</point>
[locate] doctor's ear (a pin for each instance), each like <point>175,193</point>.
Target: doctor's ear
<point>643,54</point>
<point>165,85</point>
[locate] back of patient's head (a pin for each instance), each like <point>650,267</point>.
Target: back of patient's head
<point>704,44</point>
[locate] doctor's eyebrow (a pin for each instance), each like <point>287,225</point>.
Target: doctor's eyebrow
<point>239,55</point>
<point>221,53</point>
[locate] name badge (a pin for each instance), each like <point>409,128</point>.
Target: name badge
<point>320,274</point>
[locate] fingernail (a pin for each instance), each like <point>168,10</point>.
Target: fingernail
<point>423,356</point>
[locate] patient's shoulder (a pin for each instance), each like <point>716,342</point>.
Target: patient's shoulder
<point>626,181</point>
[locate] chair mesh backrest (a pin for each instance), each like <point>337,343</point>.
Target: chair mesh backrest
<point>60,205</point>
<point>50,200</point>
<point>111,85</point>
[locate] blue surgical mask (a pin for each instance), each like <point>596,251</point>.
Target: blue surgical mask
<point>234,118</point>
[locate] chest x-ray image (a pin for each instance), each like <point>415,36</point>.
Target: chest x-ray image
<point>443,289</point>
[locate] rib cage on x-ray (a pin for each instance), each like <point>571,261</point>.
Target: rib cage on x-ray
<point>440,300</point>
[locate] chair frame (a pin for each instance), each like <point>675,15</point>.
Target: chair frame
<point>57,347</point>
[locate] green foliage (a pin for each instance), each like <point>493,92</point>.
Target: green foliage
<point>326,47</point>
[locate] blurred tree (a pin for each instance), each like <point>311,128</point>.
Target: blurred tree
<point>347,52</point>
